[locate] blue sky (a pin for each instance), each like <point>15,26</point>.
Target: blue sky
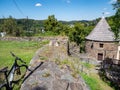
<point>62,9</point>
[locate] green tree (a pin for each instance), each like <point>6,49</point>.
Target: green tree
<point>51,24</point>
<point>77,34</point>
<point>116,19</point>
<point>65,29</point>
<point>10,26</point>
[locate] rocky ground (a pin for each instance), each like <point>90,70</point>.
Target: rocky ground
<point>47,74</point>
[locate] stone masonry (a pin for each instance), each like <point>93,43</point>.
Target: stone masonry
<point>109,49</point>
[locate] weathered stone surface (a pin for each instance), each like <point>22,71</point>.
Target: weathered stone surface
<point>76,86</point>
<point>49,75</point>
<point>109,49</point>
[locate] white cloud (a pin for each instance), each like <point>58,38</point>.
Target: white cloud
<point>38,4</point>
<point>68,1</point>
<point>106,13</point>
<point>112,1</point>
<point>104,8</point>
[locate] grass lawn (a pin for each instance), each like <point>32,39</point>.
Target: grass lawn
<point>95,82</point>
<point>24,50</point>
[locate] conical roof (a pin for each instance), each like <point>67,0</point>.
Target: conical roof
<point>101,32</point>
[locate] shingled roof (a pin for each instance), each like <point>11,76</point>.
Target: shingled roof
<point>101,32</point>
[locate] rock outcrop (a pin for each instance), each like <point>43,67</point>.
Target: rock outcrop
<point>47,75</point>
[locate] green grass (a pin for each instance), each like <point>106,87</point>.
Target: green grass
<point>95,82</point>
<point>92,82</point>
<point>24,50</point>
<point>87,65</point>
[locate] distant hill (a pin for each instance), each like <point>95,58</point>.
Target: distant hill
<point>41,22</point>
<point>74,21</point>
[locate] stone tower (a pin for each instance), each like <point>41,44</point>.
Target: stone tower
<point>100,43</point>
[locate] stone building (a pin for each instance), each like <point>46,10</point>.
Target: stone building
<point>100,43</point>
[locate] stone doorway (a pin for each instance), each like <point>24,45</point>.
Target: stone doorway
<point>100,56</point>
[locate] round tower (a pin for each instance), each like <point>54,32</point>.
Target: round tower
<point>100,43</point>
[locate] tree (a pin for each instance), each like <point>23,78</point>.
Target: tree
<point>65,29</point>
<point>77,34</point>
<point>51,24</point>
<point>116,19</point>
<point>10,26</point>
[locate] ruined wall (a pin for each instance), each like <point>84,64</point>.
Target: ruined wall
<point>109,49</point>
<point>32,38</point>
<point>61,40</point>
<point>110,69</point>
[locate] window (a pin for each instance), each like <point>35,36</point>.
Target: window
<point>92,45</point>
<point>101,45</point>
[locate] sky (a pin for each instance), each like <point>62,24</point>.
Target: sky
<point>67,10</point>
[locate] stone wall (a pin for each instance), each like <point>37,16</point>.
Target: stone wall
<point>109,49</point>
<point>61,40</point>
<point>110,69</point>
<point>32,38</point>
<point>74,48</point>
